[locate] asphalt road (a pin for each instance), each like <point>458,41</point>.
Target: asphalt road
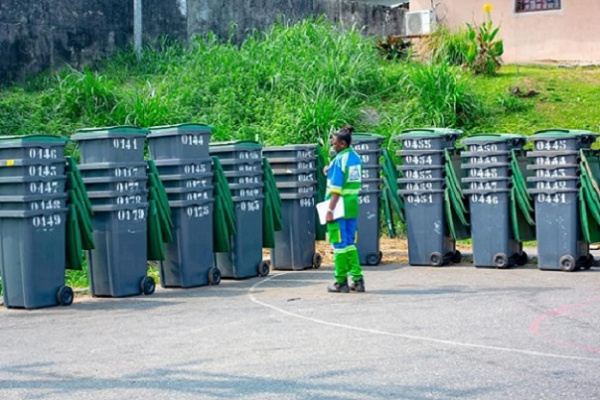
<point>453,332</point>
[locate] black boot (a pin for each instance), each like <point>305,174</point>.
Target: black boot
<point>358,285</point>
<point>339,288</point>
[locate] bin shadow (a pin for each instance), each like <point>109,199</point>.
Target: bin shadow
<point>187,379</point>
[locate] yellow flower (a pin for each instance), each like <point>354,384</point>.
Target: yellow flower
<point>487,8</point>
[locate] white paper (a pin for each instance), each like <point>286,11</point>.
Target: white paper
<point>323,207</point>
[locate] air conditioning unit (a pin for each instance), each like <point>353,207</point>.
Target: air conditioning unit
<point>419,22</point>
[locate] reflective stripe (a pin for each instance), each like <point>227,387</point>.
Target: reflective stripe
<point>350,191</point>
<point>344,161</point>
<point>345,249</point>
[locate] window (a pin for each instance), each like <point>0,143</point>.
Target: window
<point>537,5</point>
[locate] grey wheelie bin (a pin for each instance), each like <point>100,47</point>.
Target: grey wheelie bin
<point>33,215</point>
<point>242,163</point>
<point>489,163</point>
<point>112,168</point>
<point>561,245</point>
<point>423,185</point>
<point>294,168</point>
<point>368,146</point>
<point>181,155</point>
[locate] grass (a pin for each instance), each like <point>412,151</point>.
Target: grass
<point>295,84</point>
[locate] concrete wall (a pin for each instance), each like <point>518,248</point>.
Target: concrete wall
<point>40,34</point>
<point>218,15</point>
<point>569,35</point>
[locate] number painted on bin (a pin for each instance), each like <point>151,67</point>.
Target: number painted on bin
<point>249,155</point>
<point>125,144</point>
<point>45,205</point>
<point>551,185</point>
<point>42,170</point>
<point>47,221</point>
<point>197,211</point>
<point>418,160</point>
<point>131,215</point>
<point>123,187</point>
<point>548,145</point>
<point>307,202</point>
<point>192,140</point>
<point>43,187</point>
<point>424,174</point>
<point>249,206</point>
<point>483,173</point>
<point>125,172</point>
<point>483,147</point>
<point>43,153</point>
<point>194,169</point>
<point>197,196</point>
<point>489,199</point>
<point>419,198</point>
<point>552,198</point>
<point>551,160</point>
<point>417,144</point>
<point>133,199</point>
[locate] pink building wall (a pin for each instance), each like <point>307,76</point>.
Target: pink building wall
<point>570,35</point>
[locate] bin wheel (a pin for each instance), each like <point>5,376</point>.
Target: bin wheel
<point>500,260</point>
<point>65,296</point>
<point>264,268</point>
<point>372,259</point>
<point>147,285</point>
<point>436,259</point>
<point>457,257</point>
<point>567,263</point>
<point>522,258</point>
<point>214,276</point>
<point>317,260</point>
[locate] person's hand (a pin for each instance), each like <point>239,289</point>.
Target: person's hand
<point>329,216</point>
<point>325,169</point>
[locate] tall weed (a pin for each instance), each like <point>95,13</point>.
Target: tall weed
<point>440,96</point>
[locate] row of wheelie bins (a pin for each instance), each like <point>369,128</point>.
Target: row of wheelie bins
<point>115,172</point>
<point>549,194</point>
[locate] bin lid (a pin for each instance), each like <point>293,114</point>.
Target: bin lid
<point>429,132</point>
<point>106,132</point>
<point>28,140</point>
<point>560,133</point>
<point>171,130</point>
<point>290,147</point>
<point>234,145</point>
<point>495,138</point>
<point>185,125</point>
<point>366,137</point>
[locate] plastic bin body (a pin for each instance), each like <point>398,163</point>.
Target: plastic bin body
<point>368,147</point>
<point>295,243</point>
<point>368,230</point>
<point>557,228</point>
<point>242,163</point>
<point>491,227</point>
<point>189,256</point>
<point>426,226</point>
<point>180,142</point>
<point>246,245</point>
<point>33,260</point>
<point>118,263</point>
<point>112,144</point>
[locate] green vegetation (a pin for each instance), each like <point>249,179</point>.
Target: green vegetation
<point>297,83</point>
